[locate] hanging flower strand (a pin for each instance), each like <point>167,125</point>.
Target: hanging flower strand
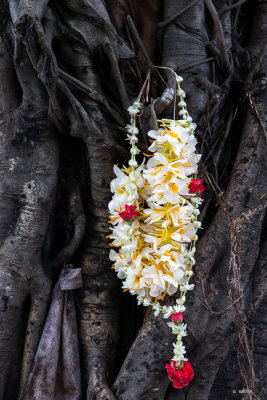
<point>124,208</point>
<point>154,222</point>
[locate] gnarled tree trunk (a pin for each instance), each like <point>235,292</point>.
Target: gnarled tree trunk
<point>68,71</point>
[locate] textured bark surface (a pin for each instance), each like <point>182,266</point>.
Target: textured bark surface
<point>68,71</point>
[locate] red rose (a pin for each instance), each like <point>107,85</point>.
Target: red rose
<point>129,215</point>
<point>180,377</point>
<point>177,317</point>
<point>195,186</point>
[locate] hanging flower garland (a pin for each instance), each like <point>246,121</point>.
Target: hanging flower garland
<point>153,214</point>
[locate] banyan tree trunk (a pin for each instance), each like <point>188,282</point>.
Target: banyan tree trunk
<point>68,71</point>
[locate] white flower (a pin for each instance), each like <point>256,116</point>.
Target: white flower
<point>179,358</point>
<point>177,135</point>
<point>132,281</point>
<point>134,151</point>
<point>157,281</point>
<point>140,300</point>
<point>179,308</point>
<point>122,188</point>
<point>113,255</point>
<point>133,163</point>
<point>133,139</point>
<point>174,327</point>
<point>156,308</point>
<point>179,349</point>
<point>122,237</point>
<point>167,312</point>
<point>181,92</point>
<point>185,233</point>
<point>196,200</point>
<point>132,129</point>
<point>188,273</point>
<point>146,302</point>
<point>182,330</point>
<point>186,287</point>
<point>134,109</point>
<point>197,224</point>
<point>178,78</point>
<point>181,214</point>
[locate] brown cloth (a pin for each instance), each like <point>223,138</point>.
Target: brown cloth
<point>56,368</point>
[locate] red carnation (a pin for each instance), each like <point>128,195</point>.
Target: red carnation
<point>129,215</point>
<point>196,186</point>
<point>180,377</point>
<point>177,317</point>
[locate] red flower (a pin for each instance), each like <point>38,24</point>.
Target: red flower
<point>129,215</point>
<point>195,186</point>
<point>180,377</point>
<point>177,317</point>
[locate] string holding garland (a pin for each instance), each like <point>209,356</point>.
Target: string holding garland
<point>153,216</point>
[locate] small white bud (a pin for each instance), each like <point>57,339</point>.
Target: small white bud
<point>132,129</point>
<point>146,302</point>
<point>133,163</point>
<point>133,140</point>
<point>133,151</point>
<point>181,93</point>
<point>179,79</point>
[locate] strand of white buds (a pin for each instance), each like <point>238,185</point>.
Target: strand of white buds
<point>124,206</point>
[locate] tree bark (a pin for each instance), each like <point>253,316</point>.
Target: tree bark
<point>68,71</point>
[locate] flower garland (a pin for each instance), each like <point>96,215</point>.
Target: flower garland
<point>153,214</point>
